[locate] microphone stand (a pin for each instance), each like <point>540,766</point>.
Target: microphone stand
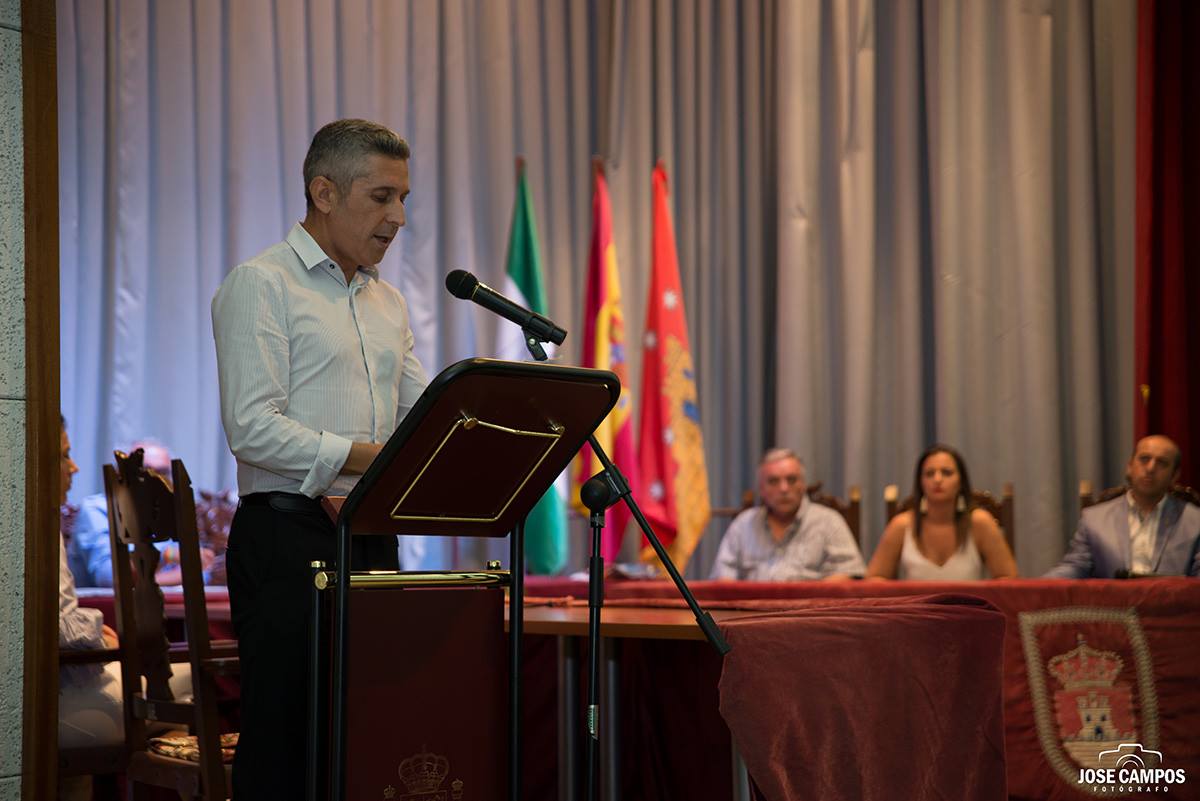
<point>597,497</point>
<point>598,493</point>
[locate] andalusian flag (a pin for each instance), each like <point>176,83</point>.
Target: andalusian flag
<point>546,526</point>
<point>673,491</point>
<point>604,348</point>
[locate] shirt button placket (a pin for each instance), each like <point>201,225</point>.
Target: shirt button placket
<point>355,286</point>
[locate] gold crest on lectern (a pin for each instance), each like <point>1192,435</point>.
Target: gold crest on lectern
<point>423,775</point>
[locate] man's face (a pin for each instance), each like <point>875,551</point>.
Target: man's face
<point>781,484</point>
<point>67,465</point>
<point>1152,469</point>
<point>364,221</point>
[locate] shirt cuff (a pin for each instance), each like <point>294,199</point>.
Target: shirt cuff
<point>331,457</point>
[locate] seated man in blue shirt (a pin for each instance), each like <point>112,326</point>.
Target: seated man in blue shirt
<point>788,538</point>
<point>89,553</point>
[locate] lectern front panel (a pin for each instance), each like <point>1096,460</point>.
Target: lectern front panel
<point>427,695</point>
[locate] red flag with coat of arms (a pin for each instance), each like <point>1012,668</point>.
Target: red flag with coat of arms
<point>604,348</point>
<point>673,490</point>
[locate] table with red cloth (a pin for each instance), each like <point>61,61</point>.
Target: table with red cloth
<point>1131,647</point>
<point>1087,666</point>
<point>921,719</point>
<point>786,703</point>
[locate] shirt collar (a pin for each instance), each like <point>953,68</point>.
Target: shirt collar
<point>312,255</point>
<point>1137,510</point>
<point>793,527</point>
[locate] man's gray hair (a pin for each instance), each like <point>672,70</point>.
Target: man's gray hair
<point>338,149</point>
<point>775,454</point>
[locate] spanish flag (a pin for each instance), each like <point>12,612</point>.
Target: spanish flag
<point>604,348</point>
<point>673,490</point>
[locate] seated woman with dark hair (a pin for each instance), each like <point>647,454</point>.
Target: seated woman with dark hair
<point>90,705</point>
<point>943,537</point>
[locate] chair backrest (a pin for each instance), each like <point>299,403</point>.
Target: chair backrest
<point>1001,508</point>
<point>144,509</point>
<point>850,509</point>
<point>748,498</point>
<point>1088,497</point>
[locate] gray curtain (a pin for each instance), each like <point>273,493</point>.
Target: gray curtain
<point>956,260</point>
<point>897,221</point>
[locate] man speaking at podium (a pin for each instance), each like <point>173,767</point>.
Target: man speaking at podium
<point>316,366</point>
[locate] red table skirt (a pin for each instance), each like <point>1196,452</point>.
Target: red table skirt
<point>1087,666</point>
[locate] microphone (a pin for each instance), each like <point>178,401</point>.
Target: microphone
<point>465,286</point>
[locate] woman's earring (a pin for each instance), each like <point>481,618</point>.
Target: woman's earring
<point>923,506</point>
<point>961,505</point>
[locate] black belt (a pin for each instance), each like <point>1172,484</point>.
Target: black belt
<point>284,502</point>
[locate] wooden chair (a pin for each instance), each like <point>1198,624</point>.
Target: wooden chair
<point>1088,498</point>
<point>730,512</point>
<point>850,509</point>
<point>143,509</point>
<point>1001,509</point>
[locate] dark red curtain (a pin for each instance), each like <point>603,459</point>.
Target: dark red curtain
<point>1167,315</point>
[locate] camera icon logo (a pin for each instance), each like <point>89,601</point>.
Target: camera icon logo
<point>1130,755</point>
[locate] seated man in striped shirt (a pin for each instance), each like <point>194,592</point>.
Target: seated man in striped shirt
<point>788,538</point>
<point>316,365</point>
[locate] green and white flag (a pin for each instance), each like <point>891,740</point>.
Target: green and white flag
<point>546,526</point>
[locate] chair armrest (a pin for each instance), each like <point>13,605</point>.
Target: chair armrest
<point>218,649</point>
<point>91,656</point>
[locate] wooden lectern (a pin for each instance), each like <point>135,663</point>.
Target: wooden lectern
<point>412,698</point>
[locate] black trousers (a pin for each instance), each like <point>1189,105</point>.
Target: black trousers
<point>272,541</point>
